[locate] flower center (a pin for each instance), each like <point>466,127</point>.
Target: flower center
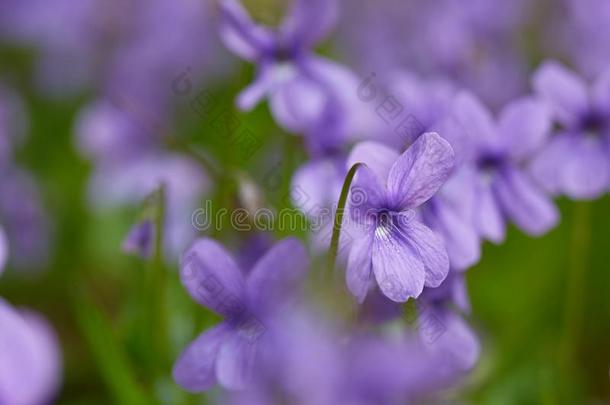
<point>593,123</point>
<point>385,218</point>
<point>283,53</point>
<point>388,219</point>
<point>489,162</point>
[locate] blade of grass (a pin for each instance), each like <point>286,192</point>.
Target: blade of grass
<point>157,291</point>
<point>110,359</point>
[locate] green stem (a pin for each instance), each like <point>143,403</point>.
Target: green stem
<point>334,243</point>
<point>575,293</point>
<point>158,289</point>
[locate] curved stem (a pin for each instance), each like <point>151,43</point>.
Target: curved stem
<point>334,243</point>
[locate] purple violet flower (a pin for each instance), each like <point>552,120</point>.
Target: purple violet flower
<point>500,152</point>
<point>450,213</point>
<point>227,352</point>
<point>402,254</point>
<point>307,94</point>
<point>577,160</point>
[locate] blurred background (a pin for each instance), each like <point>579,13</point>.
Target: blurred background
<point>91,94</point>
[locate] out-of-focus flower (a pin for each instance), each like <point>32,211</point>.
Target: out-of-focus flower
<point>30,364</point>
<point>131,164</point>
<point>3,250</point>
<point>312,362</point>
<point>21,211</point>
<point>392,369</point>
<point>228,352</point>
<point>23,218</point>
<point>443,331</point>
<point>110,135</point>
<point>307,94</point>
<point>577,160</point>
<point>400,252</point>
<point>500,151</point>
<point>252,248</point>
<point>451,213</point>
<point>427,105</point>
<point>131,182</point>
<point>580,32</point>
<point>137,47</point>
<point>140,239</point>
<point>475,44</point>
<point>305,363</point>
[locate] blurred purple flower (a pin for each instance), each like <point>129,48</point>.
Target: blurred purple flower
<point>30,364</point>
<point>252,248</point>
<point>500,151</point>
<point>24,220</point>
<point>427,102</point>
<point>310,362</point>
<point>130,183</point>
<point>140,239</point>
<point>443,331</point>
<point>580,31</point>
<point>577,160</point>
<point>21,211</point>
<point>400,252</point>
<point>3,250</point>
<point>137,47</point>
<point>382,370</point>
<point>307,94</point>
<point>226,353</point>
<point>303,365</point>
<point>451,214</point>
<point>73,42</point>
<point>474,43</point>
<point>110,135</point>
